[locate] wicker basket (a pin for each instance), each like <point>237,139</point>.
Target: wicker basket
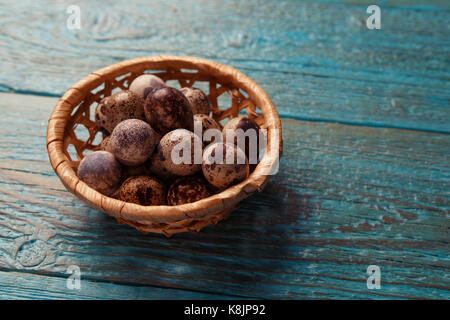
<point>66,145</point>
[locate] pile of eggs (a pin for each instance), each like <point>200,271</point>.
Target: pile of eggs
<point>142,126</point>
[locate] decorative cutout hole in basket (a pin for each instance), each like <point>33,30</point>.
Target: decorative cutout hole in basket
<point>72,132</point>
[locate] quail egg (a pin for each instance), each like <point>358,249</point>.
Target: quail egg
<point>198,100</point>
<point>167,109</point>
<point>187,190</point>
<point>132,142</point>
<point>180,152</point>
<point>250,140</point>
<point>224,165</point>
<point>145,83</point>
<point>155,165</point>
<point>143,190</point>
<point>114,109</point>
<point>208,123</point>
<point>101,171</point>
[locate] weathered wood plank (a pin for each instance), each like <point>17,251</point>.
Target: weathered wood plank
<point>346,197</point>
<point>316,59</point>
<point>417,4</point>
<point>24,286</point>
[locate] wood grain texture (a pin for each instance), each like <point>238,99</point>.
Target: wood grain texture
<point>316,59</point>
<point>346,197</point>
<point>25,286</point>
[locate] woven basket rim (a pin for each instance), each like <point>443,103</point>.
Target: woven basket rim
<point>226,199</point>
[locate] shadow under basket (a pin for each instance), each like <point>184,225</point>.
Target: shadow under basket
<point>72,133</point>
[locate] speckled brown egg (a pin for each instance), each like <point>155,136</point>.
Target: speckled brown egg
<point>208,123</point>
<point>187,190</point>
<point>101,171</point>
<point>143,190</point>
<point>104,145</point>
<point>180,152</point>
<point>198,100</point>
<point>167,109</point>
<point>244,123</point>
<point>146,83</point>
<point>155,165</point>
<point>132,142</point>
<point>120,106</point>
<point>224,165</point>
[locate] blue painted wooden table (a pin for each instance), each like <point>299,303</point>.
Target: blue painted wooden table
<point>364,179</point>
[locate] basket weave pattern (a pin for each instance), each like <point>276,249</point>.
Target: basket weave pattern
<point>74,111</point>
